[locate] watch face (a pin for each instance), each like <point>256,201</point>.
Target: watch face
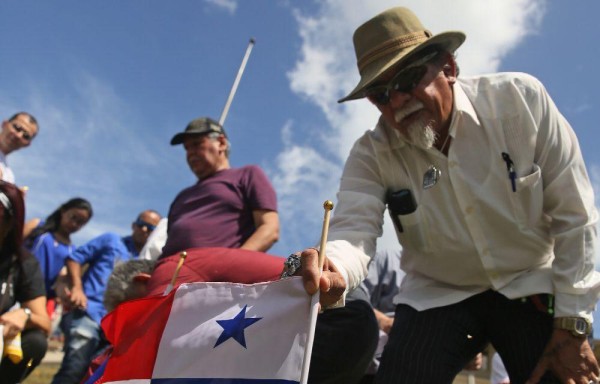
<point>581,327</point>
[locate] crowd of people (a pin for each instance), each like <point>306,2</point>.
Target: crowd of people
<point>484,181</point>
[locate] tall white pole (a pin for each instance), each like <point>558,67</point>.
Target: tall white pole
<point>236,82</point>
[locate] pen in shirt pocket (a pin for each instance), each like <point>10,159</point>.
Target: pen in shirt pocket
<point>510,167</point>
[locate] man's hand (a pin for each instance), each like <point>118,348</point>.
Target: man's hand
<point>77,298</point>
<point>570,358</point>
<point>331,283</point>
<point>62,289</point>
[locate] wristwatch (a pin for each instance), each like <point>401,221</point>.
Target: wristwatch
<point>578,326</point>
<point>28,313</point>
<point>291,265</point>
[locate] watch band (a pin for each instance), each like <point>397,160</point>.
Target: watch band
<point>291,265</point>
<point>27,312</point>
<point>578,326</point>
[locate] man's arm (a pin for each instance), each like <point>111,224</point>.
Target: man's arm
<point>569,202</point>
<point>266,233</point>
<point>77,297</point>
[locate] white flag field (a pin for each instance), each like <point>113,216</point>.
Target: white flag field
<point>214,333</point>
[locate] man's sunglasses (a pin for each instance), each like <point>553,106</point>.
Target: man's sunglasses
<point>404,81</point>
<point>141,223</point>
<point>24,134</point>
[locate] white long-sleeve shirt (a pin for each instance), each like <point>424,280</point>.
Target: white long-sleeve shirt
<point>471,232</point>
<point>6,173</point>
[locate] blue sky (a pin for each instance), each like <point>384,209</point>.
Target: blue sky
<point>111,81</point>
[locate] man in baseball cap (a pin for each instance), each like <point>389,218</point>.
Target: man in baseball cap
<point>227,207</point>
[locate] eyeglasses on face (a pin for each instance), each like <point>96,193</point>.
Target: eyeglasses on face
<point>142,224</point>
<point>20,130</point>
<point>404,81</point>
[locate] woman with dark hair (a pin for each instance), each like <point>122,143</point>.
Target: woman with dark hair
<point>22,295</point>
<point>50,240</point>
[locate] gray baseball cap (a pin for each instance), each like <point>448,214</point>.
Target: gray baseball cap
<point>198,126</point>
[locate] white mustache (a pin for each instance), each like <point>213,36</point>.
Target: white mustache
<point>406,110</point>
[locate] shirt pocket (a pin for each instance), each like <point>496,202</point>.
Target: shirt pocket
<point>414,234</point>
<point>528,200</point>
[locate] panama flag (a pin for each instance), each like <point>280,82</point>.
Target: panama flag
<point>213,333</point>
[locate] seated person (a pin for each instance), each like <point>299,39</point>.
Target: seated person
<point>23,297</point>
<point>227,207</point>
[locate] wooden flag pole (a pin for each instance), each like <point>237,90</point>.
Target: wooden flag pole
<point>182,256</point>
<point>328,206</point>
<point>314,304</point>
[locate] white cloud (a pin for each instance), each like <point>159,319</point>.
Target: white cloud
<point>86,148</point>
<point>304,179</point>
<point>326,71</point>
<point>228,5</point>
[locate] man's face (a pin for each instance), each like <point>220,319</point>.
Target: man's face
<point>17,134</point>
<point>424,112</point>
<point>205,155</point>
<point>143,227</point>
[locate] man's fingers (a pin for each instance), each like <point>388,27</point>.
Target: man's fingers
<point>310,270</point>
<point>328,281</point>
<point>332,286</point>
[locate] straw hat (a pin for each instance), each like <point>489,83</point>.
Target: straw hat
<point>390,39</point>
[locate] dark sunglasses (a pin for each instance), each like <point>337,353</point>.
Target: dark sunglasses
<point>24,134</point>
<point>404,81</point>
<point>141,223</point>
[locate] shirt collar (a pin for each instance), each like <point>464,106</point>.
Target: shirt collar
<point>463,108</point>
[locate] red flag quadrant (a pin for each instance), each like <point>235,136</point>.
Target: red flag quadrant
<point>212,333</point>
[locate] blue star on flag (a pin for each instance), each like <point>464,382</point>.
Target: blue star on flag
<point>235,328</point>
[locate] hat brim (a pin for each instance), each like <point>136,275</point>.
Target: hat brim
<point>449,41</point>
<point>180,137</point>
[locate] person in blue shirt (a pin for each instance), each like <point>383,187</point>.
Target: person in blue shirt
<point>81,325</point>
<point>50,240</point>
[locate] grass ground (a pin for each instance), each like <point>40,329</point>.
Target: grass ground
<point>43,375</point>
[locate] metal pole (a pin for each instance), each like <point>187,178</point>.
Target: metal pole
<point>236,82</point>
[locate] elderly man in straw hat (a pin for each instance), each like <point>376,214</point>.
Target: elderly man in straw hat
<point>492,205</point>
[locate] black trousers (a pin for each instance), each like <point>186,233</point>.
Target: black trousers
<point>344,344</point>
<point>34,345</point>
<point>432,346</point>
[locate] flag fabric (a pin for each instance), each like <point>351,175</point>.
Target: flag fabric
<point>212,333</point>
